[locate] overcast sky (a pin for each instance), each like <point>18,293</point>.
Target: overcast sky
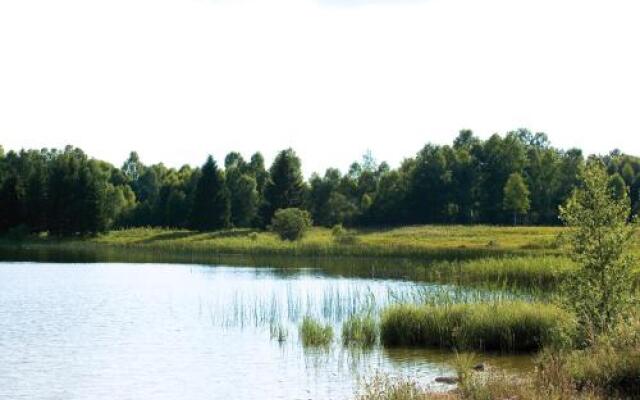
<point>178,79</point>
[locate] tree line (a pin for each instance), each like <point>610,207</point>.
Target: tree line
<point>515,178</point>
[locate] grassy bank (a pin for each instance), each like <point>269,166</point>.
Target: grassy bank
<point>409,242</point>
<point>506,257</point>
<point>503,326</point>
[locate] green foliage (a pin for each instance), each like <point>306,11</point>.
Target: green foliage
<point>505,326</point>
<point>313,333</point>
<point>244,197</point>
<point>601,290</point>
<point>291,223</point>
<point>516,196</point>
<point>343,236</point>
<point>360,330</point>
<point>285,187</point>
<point>612,362</point>
<point>463,183</point>
<point>211,206</point>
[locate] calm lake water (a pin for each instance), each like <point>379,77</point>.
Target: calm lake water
<point>178,331</point>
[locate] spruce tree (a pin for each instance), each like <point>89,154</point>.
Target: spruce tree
<point>211,207</point>
<point>285,187</point>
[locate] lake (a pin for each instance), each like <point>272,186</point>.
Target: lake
<point>187,331</point>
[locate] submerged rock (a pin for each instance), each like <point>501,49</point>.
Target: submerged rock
<point>449,380</point>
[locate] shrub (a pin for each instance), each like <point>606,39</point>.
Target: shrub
<point>601,290</point>
<point>612,362</point>
<point>362,330</point>
<point>313,333</point>
<point>291,223</point>
<point>343,236</point>
<point>507,326</point>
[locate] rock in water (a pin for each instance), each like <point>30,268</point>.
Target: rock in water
<point>449,380</point>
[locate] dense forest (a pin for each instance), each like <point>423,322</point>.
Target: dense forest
<point>516,178</point>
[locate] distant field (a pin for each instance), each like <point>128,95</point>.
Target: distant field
<point>414,241</point>
<point>525,257</point>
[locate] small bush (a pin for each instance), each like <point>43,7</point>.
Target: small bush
<point>508,326</point>
<point>338,230</point>
<point>313,333</point>
<point>612,362</point>
<point>291,223</point>
<point>343,236</point>
<point>361,330</point>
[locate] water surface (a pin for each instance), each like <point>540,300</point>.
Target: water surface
<point>175,331</point>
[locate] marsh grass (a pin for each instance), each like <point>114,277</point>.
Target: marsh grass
<point>381,387</point>
<point>512,326</point>
<point>360,330</point>
<point>525,272</point>
<point>432,242</point>
<point>313,333</point>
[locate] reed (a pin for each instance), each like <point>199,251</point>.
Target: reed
<point>360,330</point>
<point>510,326</point>
<point>313,333</point>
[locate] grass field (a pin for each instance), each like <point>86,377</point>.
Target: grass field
<point>419,241</point>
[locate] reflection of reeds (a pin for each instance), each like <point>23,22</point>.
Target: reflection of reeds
<point>278,332</point>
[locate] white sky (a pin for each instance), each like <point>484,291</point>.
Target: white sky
<point>178,79</point>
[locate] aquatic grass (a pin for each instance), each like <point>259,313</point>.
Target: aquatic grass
<point>313,333</point>
<point>360,330</point>
<point>540,272</point>
<point>512,326</point>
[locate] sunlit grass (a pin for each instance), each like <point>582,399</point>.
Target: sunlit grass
<point>360,330</point>
<point>509,326</point>
<point>313,333</point>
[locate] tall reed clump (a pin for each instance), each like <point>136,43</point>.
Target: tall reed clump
<point>511,326</point>
<point>360,330</point>
<point>313,333</point>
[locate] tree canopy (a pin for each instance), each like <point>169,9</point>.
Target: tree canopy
<point>65,192</point>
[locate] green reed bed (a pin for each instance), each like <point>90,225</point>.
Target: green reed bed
<point>313,333</point>
<point>360,330</point>
<point>539,272</point>
<point>511,326</point>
